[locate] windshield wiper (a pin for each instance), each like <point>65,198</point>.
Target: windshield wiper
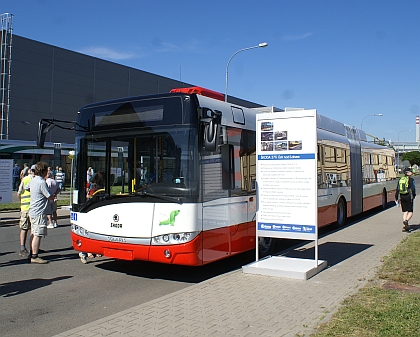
<point>160,196</point>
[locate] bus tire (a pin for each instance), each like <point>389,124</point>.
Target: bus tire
<point>384,199</point>
<point>266,246</point>
<point>341,213</point>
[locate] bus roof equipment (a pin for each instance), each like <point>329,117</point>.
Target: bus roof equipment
<point>200,91</point>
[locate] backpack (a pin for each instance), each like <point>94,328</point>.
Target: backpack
<point>403,185</point>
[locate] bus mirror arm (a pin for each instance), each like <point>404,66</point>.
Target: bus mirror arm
<point>212,131</point>
<point>46,125</point>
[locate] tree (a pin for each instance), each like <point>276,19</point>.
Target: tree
<point>413,157</point>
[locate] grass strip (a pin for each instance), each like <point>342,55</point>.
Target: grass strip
<point>375,311</point>
<point>15,206</point>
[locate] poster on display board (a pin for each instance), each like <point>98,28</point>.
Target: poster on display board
<point>6,180</point>
<point>287,175</point>
<point>287,190</point>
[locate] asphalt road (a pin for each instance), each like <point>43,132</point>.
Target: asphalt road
<point>44,300</point>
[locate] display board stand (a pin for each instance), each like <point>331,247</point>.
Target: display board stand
<point>287,190</point>
<point>287,267</point>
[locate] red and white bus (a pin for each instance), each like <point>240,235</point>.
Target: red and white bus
<point>180,171</point>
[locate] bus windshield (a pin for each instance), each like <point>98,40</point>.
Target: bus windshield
<point>158,162</point>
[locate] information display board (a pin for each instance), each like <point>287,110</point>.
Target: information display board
<point>6,167</point>
<point>287,175</point>
<point>287,190</point>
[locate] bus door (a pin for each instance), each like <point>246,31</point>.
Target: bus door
<point>135,218</point>
<point>215,210</point>
<point>356,177</point>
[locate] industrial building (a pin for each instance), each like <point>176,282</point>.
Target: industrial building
<point>52,82</point>
<point>39,80</point>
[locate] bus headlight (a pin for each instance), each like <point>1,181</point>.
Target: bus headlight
<point>173,239</point>
<point>79,230</point>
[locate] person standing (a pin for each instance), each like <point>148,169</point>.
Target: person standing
<point>24,222</point>
<point>405,195</point>
<point>89,175</point>
<point>24,171</point>
<point>38,208</point>
<point>16,176</point>
<point>52,204</point>
<point>59,178</point>
<point>96,184</point>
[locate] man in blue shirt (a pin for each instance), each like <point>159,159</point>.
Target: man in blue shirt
<point>16,177</point>
<point>38,209</point>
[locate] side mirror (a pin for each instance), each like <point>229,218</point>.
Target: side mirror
<point>212,131</point>
<point>44,126</point>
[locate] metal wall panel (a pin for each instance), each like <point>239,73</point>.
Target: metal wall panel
<point>52,82</point>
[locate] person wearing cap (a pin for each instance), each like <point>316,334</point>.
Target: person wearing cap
<point>405,194</point>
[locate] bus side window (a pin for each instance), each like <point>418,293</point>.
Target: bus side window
<point>228,167</point>
<point>247,161</point>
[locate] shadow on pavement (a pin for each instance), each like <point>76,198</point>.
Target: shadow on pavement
<point>414,227</point>
<point>6,253</point>
<point>61,257</point>
<point>177,273</point>
<point>332,252</point>
<point>8,224</point>
<point>49,255</point>
<point>19,287</point>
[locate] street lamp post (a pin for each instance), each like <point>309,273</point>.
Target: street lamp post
<point>261,45</point>
<point>398,150</point>
<point>361,124</point>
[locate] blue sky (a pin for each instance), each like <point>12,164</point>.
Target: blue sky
<point>347,59</point>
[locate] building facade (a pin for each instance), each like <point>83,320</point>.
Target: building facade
<point>45,81</point>
<point>52,82</point>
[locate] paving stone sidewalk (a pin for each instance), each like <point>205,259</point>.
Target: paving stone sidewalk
<point>237,304</point>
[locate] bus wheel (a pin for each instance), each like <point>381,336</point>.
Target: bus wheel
<point>341,213</point>
<point>384,199</point>
<point>266,246</point>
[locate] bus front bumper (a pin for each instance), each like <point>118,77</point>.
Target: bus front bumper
<point>182,254</point>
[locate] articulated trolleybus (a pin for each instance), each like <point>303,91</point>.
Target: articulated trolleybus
<point>180,177</point>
